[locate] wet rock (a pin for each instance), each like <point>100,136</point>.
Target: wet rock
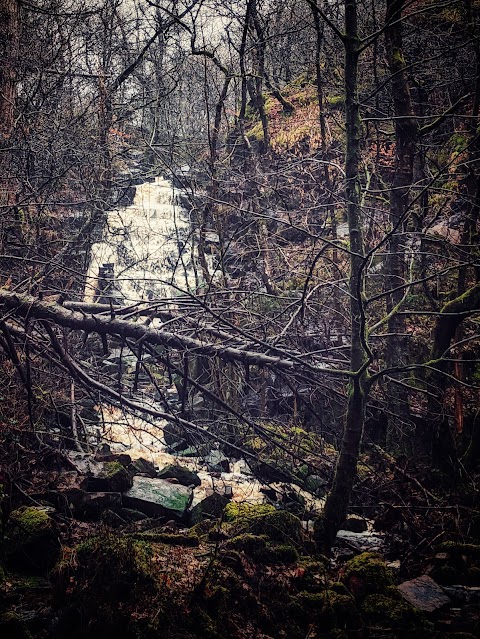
<point>174,435</point>
<point>208,506</point>
<point>94,504</point>
<point>218,462</point>
<point>315,484</point>
<point>157,497</point>
<point>362,542</point>
<point>109,477</point>
<point>182,474</point>
<point>143,467</point>
<point>355,523</point>
<point>424,593</point>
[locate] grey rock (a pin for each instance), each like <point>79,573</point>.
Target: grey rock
<point>355,523</point>
<point>157,497</point>
<point>144,467</point>
<point>183,475</point>
<point>93,505</point>
<point>208,506</point>
<point>424,593</point>
<point>218,462</point>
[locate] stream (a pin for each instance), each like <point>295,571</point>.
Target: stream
<point>147,253</point>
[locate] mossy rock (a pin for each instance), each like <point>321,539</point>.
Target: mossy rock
<point>278,525</point>
<point>112,478</point>
<point>458,550</point>
<point>259,548</point>
<point>32,539</point>
<point>327,609</point>
<point>311,575</point>
<point>104,568</point>
<point>183,475</point>
<point>235,510</point>
<point>388,612</point>
<point>13,627</point>
<point>366,574</point>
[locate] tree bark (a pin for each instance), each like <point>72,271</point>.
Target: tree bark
<point>338,499</point>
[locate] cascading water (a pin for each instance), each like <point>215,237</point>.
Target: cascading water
<point>146,248</point>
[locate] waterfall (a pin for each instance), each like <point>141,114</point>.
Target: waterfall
<point>146,246</point>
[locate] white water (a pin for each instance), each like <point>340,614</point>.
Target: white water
<point>148,244</point>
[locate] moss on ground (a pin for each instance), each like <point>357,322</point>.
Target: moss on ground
<point>367,574</point>
<point>278,525</point>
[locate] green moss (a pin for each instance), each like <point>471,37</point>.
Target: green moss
<point>278,525</point>
<point>335,101</point>
<point>389,613</point>
<point>328,609</point>
<point>31,521</point>
<point>367,574</point>
<point>112,468</point>
<point>104,568</point>
<point>284,554</point>
<point>235,510</point>
<point>255,546</point>
<point>31,539</point>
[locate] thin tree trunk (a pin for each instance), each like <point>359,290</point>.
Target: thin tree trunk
<point>338,499</point>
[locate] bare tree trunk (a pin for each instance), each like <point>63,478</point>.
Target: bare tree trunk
<point>405,138</point>
<point>338,499</point>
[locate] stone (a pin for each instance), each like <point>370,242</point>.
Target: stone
<point>207,506</point>
<point>157,497</point>
<point>32,538</point>
<point>355,523</point>
<point>94,504</point>
<point>424,593</point>
<point>218,462</point>
<point>109,477</point>
<point>174,434</point>
<point>315,484</point>
<point>182,474</point>
<point>143,467</point>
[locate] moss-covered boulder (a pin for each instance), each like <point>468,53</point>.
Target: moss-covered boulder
<point>110,476</point>
<point>328,610</point>
<point>183,475</point>
<point>31,541</point>
<point>262,550</point>
<point>390,613</point>
<point>99,583</point>
<point>457,563</point>
<point>278,525</point>
<point>366,574</point>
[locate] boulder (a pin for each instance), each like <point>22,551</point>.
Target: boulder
<point>182,474</point>
<point>109,477</point>
<point>424,593</point>
<point>94,504</point>
<point>143,467</point>
<point>157,497</point>
<point>217,462</point>
<point>355,523</point>
<point>210,504</point>
<point>315,484</point>
<point>174,435</point>
<point>32,538</point>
